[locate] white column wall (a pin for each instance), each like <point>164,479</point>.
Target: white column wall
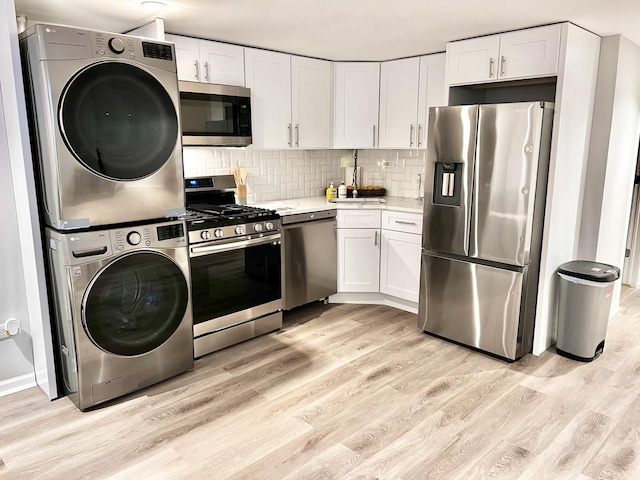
<point>575,93</point>
<point>30,249</point>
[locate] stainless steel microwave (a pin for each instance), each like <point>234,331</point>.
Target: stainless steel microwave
<point>215,115</point>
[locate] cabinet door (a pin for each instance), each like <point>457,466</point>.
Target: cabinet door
<point>311,102</point>
<point>400,265</point>
<point>473,61</point>
<point>187,57</point>
<point>399,103</point>
<point>358,260</point>
<point>268,75</point>
<point>529,53</point>
<point>356,104</point>
<point>431,92</point>
<point>221,63</point>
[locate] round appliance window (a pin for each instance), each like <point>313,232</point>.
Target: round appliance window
<point>135,303</point>
<point>118,121</point>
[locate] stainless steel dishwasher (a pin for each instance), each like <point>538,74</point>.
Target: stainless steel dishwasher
<point>309,257</point>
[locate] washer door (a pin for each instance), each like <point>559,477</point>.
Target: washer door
<point>118,121</point>
<point>134,304</point>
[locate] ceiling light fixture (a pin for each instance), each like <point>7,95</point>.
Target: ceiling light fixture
<point>153,4</point>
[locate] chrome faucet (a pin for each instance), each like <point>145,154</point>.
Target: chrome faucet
<point>355,173</point>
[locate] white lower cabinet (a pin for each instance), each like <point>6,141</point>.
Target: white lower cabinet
<point>358,250</point>
<point>379,252</point>
<point>400,253</point>
<point>358,260</point>
<point>400,264</point>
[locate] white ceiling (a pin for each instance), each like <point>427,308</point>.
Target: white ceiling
<point>342,29</point>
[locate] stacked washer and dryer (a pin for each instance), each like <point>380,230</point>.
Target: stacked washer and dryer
<point>105,130</point>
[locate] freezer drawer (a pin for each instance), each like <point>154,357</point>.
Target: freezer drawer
<point>476,305</point>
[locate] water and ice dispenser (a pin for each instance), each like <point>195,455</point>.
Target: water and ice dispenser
<point>448,178</point>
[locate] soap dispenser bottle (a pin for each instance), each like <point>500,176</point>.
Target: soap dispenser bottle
<point>342,190</point>
<point>332,192</point>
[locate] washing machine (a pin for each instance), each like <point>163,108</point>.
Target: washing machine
<point>122,308</point>
<point>105,126</point>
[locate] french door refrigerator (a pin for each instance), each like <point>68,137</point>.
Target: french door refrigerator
<point>487,168</point>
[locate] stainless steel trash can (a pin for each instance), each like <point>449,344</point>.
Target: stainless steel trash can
<point>585,290</point>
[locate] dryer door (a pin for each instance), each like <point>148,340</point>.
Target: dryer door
<point>118,121</point>
<point>135,303</point>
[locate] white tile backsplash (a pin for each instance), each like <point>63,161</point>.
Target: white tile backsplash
<point>283,174</point>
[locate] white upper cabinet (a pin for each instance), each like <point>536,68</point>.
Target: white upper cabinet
<point>526,53</point>
<point>290,100</point>
<point>187,57</point>
<point>357,87</point>
<point>399,102</point>
<point>208,61</point>
<point>222,63</point>
<point>311,102</point>
<point>268,75</point>
<point>432,91</point>
<point>408,88</point>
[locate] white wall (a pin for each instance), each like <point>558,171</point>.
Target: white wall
<point>28,231</point>
<point>613,156</point>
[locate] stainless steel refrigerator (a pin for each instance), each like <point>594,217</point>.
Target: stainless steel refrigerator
<point>485,189</point>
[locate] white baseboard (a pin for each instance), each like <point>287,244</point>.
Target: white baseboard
<point>374,299</point>
<point>16,384</point>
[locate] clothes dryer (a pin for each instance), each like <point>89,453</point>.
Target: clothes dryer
<point>122,308</point>
<point>105,127</point>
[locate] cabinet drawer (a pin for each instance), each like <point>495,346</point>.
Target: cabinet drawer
<point>358,218</point>
<point>402,222</point>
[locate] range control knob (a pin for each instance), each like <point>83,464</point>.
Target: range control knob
<point>269,225</point>
<point>116,45</point>
<point>239,229</point>
<point>258,227</point>
<point>205,235</point>
<point>218,233</point>
<point>134,238</point>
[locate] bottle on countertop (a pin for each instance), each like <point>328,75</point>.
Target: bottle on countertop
<point>342,190</point>
<point>332,191</point>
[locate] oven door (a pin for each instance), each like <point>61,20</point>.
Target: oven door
<point>235,282</point>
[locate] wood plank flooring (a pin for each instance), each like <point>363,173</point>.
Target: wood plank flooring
<point>349,392</point>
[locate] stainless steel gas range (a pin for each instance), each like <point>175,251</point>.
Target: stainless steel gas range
<point>235,265</point>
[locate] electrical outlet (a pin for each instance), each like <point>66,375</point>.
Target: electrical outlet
<point>10,328</point>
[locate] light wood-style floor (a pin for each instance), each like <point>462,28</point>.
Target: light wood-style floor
<point>349,392</point>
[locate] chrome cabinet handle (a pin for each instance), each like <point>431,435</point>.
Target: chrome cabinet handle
<point>197,73</point>
<point>419,134</point>
<point>503,60</point>
<point>289,129</point>
<point>411,135</point>
<point>206,71</point>
<point>491,62</point>
<point>297,135</point>
<point>405,223</point>
<point>374,135</point>
<point>375,241</point>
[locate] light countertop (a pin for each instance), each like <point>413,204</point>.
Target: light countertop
<point>310,204</point>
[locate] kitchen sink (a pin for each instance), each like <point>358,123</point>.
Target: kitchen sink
<point>358,200</point>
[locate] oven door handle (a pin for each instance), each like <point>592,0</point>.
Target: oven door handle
<point>198,251</point>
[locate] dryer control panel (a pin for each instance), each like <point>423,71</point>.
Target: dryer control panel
<point>163,235</point>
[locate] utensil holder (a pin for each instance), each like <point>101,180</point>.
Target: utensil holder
<point>241,194</point>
